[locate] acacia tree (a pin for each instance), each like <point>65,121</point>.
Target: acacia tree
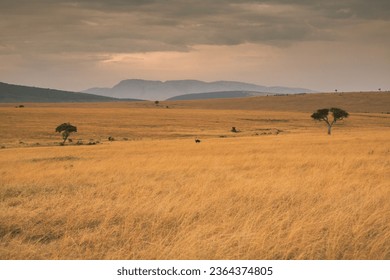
<point>335,113</point>
<point>66,129</point>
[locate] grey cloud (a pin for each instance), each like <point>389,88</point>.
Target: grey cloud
<point>332,8</point>
<point>360,8</point>
<point>45,26</point>
<point>373,9</point>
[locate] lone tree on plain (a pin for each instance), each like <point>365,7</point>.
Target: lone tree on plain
<point>323,115</point>
<point>66,129</point>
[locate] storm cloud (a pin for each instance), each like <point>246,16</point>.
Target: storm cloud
<point>45,32</point>
<point>133,26</point>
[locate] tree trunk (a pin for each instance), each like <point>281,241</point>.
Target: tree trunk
<point>329,129</point>
<point>65,136</point>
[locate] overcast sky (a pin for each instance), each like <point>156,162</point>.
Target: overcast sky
<point>74,45</point>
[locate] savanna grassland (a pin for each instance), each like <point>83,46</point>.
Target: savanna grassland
<point>280,188</point>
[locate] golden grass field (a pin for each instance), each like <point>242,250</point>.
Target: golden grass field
<point>281,188</point>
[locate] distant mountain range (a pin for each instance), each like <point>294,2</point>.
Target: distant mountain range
<point>137,90</point>
<point>16,94</point>
<point>175,89</point>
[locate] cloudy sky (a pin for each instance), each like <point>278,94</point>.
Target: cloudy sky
<point>74,45</point>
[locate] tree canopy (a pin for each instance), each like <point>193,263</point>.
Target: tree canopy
<point>330,116</point>
<point>66,129</point>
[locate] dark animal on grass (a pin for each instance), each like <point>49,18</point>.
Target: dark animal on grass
<point>197,140</point>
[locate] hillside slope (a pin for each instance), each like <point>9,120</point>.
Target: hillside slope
<point>216,95</point>
<point>16,94</point>
<point>363,102</point>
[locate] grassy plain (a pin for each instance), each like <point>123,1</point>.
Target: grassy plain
<point>279,189</point>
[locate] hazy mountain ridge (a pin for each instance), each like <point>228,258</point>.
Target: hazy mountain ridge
<point>158,90</point>
<point>10,93</point>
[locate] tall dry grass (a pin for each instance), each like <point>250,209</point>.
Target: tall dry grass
<point>298,195</point>
<point>155,194</point>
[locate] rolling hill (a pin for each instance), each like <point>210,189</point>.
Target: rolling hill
<point>217,94</point>
<point>10,93</point>
<point>358,102</point>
